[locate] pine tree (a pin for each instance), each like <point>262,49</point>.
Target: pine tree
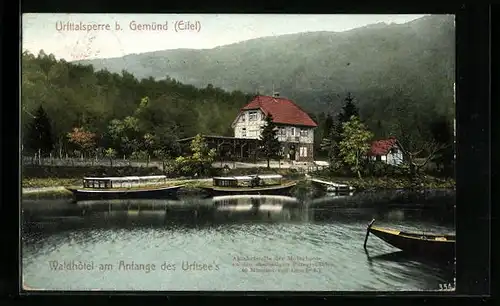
<point>269,138</point>
<point>349,109</point>
<point>327,129</point>
<point>39,136</point>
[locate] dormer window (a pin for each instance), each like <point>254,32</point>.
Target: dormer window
<point>252,116</point>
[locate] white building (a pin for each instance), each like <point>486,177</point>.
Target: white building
<point>295,127</point>
<point>386,150</point>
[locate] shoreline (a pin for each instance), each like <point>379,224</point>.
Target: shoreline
<point>55,187</point>
<point>59,191</point>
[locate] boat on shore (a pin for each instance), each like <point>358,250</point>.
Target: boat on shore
<point>249,185</point>
<point>436,246</point>
<point>129,187</point>
<point>330,186</point>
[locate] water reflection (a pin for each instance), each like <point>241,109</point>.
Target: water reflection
<point>217,210</point>
<point>332,228</point>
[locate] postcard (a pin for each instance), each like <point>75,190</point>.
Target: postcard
<point>233,152</point>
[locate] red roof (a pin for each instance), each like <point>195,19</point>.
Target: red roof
<point>283,110</point>
<point>382,147</point>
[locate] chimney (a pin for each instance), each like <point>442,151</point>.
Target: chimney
<point>275,93</point>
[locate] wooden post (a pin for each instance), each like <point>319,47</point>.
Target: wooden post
<point>368,232</point>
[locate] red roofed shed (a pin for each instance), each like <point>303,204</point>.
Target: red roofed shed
<point>387,150</point>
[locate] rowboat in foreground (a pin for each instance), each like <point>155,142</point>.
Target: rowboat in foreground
<point>251,184</point>
<point>129,187</point>
<point>420,244</point>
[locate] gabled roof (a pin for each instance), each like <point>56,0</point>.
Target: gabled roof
<point>382,147</point>
<point>283,110</point>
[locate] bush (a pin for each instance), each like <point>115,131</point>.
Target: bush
<point>189,167</point>
<point>381,169</point>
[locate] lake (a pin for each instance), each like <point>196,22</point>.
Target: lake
<point>225,244</point>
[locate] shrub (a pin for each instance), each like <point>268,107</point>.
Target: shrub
<point>381,169</point>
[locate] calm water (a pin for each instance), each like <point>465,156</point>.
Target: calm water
<point>197,244</point>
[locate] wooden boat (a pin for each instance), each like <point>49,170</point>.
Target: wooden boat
<point>130,187</point>
<point>251,184</point>
<point>420,244</point>
<point>330,186</point>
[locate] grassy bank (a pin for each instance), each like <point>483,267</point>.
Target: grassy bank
<point>37,182</point>
<point>379,183</point>
<point>71,172</point>
<point>48,176</point>
<point>48,194</point>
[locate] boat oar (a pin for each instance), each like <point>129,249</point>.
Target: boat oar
<point>368,232</point>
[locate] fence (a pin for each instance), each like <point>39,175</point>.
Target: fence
<point>124,162</point>
<point>87,162</point>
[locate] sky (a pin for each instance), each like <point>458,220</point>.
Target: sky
<point>51,32</point>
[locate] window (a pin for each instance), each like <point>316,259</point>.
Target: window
<point>243,132</point>
<point>282,131</point>
<point>243,117</point>
<point>292,131</point>
<point>303,132</point>
<point>303,151</point>
<point>252,116</point>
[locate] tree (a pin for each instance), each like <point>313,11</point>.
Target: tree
<point>414,136</point>
<point>201,159</point>
<point>325,144</point>
<point>83,139</point>
<point>165,139</point>
<point>110,153</point>
<point>269,138</point>
<point>125,134</point>
<point>331,144</point>
<point>39,136</point>
<point>348,110</point>
<point>201,151</point>
<point>442,133</point>
<point>354,144</point>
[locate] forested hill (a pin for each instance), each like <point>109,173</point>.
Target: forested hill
<point>118,109</point>
<point>316,68</point>
<point>401,77</point>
